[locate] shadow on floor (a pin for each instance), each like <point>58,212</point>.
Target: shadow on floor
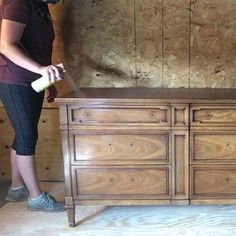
<point>4,185</point>
<point>91,216</point>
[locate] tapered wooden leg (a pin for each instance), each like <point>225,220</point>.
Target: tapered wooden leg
<point>71,215</point>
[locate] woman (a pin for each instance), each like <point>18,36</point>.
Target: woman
<point>25,55</point>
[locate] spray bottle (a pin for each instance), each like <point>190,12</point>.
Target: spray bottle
<point>42,83</point>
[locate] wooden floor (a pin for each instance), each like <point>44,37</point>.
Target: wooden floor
<point>16,220</point>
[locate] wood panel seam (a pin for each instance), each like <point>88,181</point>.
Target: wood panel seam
<point>190,29</point>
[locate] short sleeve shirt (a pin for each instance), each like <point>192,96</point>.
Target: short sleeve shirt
<point>37,38</point>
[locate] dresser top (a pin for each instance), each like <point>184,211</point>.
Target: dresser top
<point>162,94</point>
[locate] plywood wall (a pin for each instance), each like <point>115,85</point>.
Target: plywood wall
<point>213,45</point>
<point>151,43</point>
<point>176,43</point>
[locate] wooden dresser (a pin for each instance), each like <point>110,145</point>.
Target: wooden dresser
<point>148,146</point>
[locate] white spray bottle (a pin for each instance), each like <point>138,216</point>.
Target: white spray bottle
<point>42,83</point>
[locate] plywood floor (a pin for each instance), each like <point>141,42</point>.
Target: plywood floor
<point>15,220</point>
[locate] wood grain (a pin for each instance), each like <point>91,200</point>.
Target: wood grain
<point>148,26</point>
<point>213,146</point>
<point>171,43</point>
<point>180,163</point>
<point>212,43</point>
<point>176,43</point>
<point>120,220</point>
<point>99,43</point>
<point>121,183</point>
<point>121,115</point>
<point>161,95</point>
<point>122,147</point>
<point>213,115</point>
<point>213,182</point>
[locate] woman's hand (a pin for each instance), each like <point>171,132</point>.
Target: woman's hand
<point>51,94</point>
<point>52,72</point>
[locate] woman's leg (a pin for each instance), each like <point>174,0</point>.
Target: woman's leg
<point>23,106</point>
<point>26,163</point>
<point>23,171</point>
<point>16,178</point>
<point>26,167</point>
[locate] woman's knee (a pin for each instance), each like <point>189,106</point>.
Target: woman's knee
<point>25,144</point>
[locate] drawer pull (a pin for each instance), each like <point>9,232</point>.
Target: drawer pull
<point>227,179</point>
<point>88,115</point>
<point>208,115</point>
<point>152,115</point>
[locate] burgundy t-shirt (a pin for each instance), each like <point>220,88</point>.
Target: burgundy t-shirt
<point>37,38</point>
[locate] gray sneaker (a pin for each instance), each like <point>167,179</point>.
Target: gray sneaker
<point>18,195</point>
<point>45,203</point>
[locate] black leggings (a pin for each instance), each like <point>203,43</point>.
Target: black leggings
<point>23,106</point>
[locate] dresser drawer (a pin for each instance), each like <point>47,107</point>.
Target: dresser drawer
<point>213,182</point>
<point>119,115</point>
<point>120,147</point>
<point>213,146</point>
<point>213,115</point>
<point>120,183</point>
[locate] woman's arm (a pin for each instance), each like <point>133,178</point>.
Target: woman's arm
<point>11,33</point>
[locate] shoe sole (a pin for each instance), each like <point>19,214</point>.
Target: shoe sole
<point>44,210</point>
<point>15,200</point>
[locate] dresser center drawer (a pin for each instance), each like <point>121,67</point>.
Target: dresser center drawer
<point>121,182</point>
<point>120,147</point>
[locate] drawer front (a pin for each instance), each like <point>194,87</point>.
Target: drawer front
<point>213,182</point>
<point>119,115</point>
<point>120,183</point>
<point>210,115</point>
<point>108,147</point>
<point>213,147</point>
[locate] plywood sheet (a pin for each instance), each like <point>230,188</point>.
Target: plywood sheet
<point>57,12</point>
<point>213,47</point>
<point>148,22</point>
<point>59,47</point>
<point>176,43</point>
<point>48,153</point>
<point>98,38</point>
<point>6,136</point>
